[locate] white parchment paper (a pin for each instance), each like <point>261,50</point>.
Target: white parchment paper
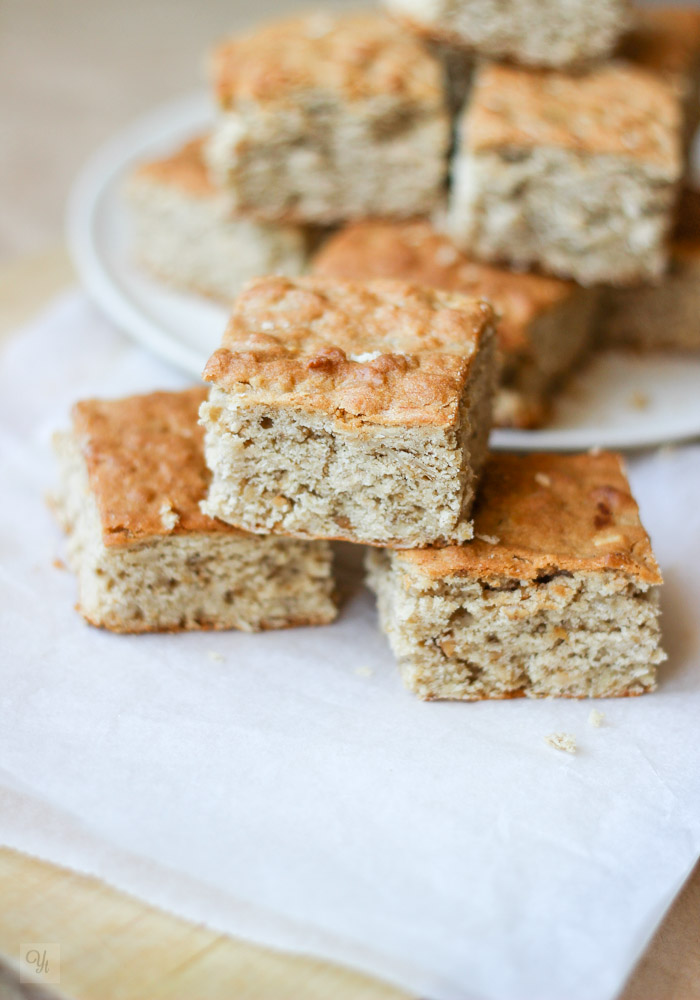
<point>290,791</point>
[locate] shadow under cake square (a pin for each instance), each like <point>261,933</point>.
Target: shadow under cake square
<point>348,410</point>
<point>146,557</point>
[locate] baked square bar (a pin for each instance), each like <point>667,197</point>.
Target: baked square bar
<point>349,410</point>
<point>576,175</point>
<point>555,33</point>
<point>328,117</point>
<point>147,559</point>
<point>664,315</point>
<point>185,232</point>
<point>544,324</point>
<point>556,596</point>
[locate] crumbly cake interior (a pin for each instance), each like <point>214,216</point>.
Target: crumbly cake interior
<point>566,634</point>
<point>194,580</point>
<point>284,469</point>
<point>593,218</point>
<point>321,160</point>
<point>541,32</point>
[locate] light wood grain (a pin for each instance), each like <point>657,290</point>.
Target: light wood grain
<point>113,947</point>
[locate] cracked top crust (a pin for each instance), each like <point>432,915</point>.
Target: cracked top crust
<point>184,170</point>
<point>382,352</point>
<point>542,514</point>
<point>354,56</point>
<point>665,40</point>
<point>415,251</point>
<point>145,464</point>
<point>614,109</point>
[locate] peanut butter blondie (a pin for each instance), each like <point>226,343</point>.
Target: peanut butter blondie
<point>350,410</point>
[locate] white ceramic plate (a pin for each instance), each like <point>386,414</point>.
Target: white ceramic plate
<point>619,401</point>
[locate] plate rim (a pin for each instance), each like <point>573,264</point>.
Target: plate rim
<point>165,123</point>
<point>85,201</point>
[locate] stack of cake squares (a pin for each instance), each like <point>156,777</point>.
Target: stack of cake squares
<point>423,220</point>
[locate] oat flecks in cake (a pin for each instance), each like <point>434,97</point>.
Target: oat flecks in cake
<point>384,449</point>
<point>320,126</point>
<point>564,605</point>
<point>562,741</point>
<point>573,174</point>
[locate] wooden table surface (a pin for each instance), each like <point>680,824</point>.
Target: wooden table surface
<point>113,947</point>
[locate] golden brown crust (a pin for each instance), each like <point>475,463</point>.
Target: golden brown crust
<point>665,40</point>
<point>145,464</point>
<point>415,251</point>
<point>355,55</point>
<point>381,352</point>
<point>615,109</point>
<point>184,170</point>
<point>542,514</point>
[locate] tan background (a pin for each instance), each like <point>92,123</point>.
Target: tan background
<point>74,71</point>
<point>71,73</point>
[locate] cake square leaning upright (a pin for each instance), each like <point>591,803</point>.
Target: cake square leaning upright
<point>147,558</point>
<point>349,410</point>
<point>573,174</point>
<point>556,596</point>
<point>326,117</point>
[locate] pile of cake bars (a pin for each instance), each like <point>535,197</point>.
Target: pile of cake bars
<point>422,220</point>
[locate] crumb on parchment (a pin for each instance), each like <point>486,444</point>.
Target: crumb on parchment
<point>562,741</point>
<point>596,718</point>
